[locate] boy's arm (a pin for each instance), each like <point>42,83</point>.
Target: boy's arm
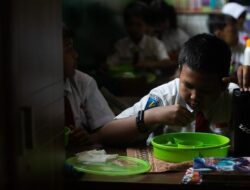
<point>243,77</point>
<point>122,131</point>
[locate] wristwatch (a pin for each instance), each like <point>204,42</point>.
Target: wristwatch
<point>140,122</point>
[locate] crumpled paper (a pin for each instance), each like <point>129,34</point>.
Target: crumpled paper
<point>95,156</point>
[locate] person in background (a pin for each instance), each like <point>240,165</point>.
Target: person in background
<point>166,27</point>
<point>86,110</point>
<point>142,51</point>
<point>202,87</point>
<point>224,27</point>
<point>238,12</point>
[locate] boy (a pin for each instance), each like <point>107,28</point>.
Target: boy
<point>139,49</point>
<point>238,12</point>
<point>167,29</point>
<point>224,27</point>
<point>204,62</point>
<point>86,110</point>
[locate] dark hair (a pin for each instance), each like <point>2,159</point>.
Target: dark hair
<point>206,53</point>
<point>219,21</point>
<point>137,9</point>
<point>163,11</point>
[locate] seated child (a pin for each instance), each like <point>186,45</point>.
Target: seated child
<point>204,63</point>
<point>167,29</point>
<point>138,48</point>
<point>224,26</point>
<point>239,12</point>
<point>86,110</point>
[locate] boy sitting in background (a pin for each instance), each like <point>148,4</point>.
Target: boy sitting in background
<point>224,27</point>
<point>139,49</point>
<point>202,87</point>
<point>86,110</point>
<point>167,29</point>
<point>239,12</point>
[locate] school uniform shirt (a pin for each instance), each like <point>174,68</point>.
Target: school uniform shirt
<point>174,39</point>
<point>168,94</point>
<point>89,107</point>
<point>148,48</point>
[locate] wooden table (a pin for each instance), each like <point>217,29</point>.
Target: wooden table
<point>154,181</point>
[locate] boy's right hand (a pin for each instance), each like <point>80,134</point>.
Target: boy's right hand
<point>173,115</point>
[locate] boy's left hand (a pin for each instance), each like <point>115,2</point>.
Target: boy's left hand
<point>243,76</point>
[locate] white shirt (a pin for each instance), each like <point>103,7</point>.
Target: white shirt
<point>237,56</point>
<point>89,107</point>
<point>174,39</point>
<point>149,48</point>
<point>168,94</point>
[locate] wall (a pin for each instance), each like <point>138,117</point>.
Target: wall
<point>31,93</point>
<point>193,23</point>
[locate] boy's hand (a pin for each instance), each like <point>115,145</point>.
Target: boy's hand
<point>243,76</point>
<point>79,136</point>
<point>174,115</point>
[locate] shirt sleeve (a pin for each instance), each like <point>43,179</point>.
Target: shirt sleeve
<point>98,110</point>
<point>134,109</point>
<point>147,102</point>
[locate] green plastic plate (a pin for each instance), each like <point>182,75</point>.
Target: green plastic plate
<point>122,166</point>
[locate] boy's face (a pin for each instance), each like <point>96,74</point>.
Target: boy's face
<point>199,90</point>
<point>136,27</point>
<point>230,34</point>
<point>69,58</point>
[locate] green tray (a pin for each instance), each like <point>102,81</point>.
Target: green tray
<point>122,166</point>
<point>180,147</point>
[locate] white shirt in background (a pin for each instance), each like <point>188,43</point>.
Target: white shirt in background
<point>89,107</point>
<point>149,48</point>
<point>174,39</point>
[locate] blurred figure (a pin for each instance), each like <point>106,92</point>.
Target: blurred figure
<point>239,12</point>
<point>166,27</point>
<point>86,110</point>
<point>224,27</point>
<point>142,51</point>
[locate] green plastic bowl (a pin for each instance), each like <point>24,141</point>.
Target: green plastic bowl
<point>179,147</point>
